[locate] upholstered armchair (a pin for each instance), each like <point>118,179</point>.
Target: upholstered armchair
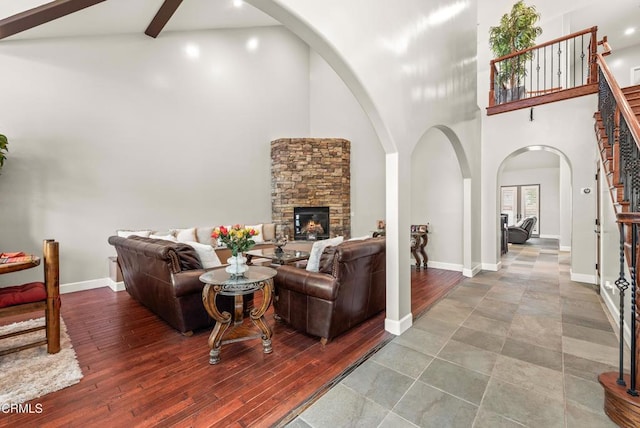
<point>519,233</point>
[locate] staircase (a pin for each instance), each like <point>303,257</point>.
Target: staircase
<point>606,148</point>
<point>617,129</point>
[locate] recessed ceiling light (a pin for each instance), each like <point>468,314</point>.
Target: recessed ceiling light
<point>237,3</point>
<point>629,31</point>
<point>252,44</point>
<point>192,51</point>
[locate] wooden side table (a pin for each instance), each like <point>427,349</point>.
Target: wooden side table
<point>220,282</point>
<point>31,262</point>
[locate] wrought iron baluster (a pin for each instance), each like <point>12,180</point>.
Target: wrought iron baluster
<point>582,59</point>
<point>544,74</point>
<point>559,72</point>
<point>566,63</point>
<point>632,270</point>
<point>622,285</point>
<point>538,71</point>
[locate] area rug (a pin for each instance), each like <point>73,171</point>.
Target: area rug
<point>33,372</point>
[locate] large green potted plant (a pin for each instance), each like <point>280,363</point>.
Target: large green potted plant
<point>517,31</point>
<point>3,149</point>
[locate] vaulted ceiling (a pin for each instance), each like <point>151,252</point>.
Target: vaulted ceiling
<point>28,19</point>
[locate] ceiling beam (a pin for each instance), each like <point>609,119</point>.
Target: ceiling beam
<point>163,16</point>
<point>41,15</point>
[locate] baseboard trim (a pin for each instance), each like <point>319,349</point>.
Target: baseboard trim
<point>614,312</point>
<point>582,277</point>
<point>116,286</point>
<point>72,287</point>
<point>470,273</point>
<point>445,266</point>
<point>492,267</point>
<point>549,236</point>
<point>398,327</point>
<point>566,248</point>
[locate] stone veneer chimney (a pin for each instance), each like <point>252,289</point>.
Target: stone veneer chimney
<point>311,172</point>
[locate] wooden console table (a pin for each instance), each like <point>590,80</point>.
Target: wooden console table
<point>418,242</point>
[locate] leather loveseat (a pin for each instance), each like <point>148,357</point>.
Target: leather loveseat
<point>164,276</point>
<point>349,288</point>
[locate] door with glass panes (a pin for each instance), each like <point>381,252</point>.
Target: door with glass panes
<point>521,201</point>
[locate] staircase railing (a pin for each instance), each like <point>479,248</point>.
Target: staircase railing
<point>618,133</point>
<point>559,69</point>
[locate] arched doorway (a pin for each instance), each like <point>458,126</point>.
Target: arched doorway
<point>441,196</point>
<point>548,169</point>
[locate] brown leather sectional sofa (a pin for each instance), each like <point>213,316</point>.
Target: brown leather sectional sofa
<point>349,288</point>
<point>164,276</point>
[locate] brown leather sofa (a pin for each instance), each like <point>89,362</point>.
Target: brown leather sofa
<point>349,288</point>
<point>164,277</point>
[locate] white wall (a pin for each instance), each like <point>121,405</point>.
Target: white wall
<point>437,199</point>
<point>131,132</point>
<point>621,61</point>
<point>334,112</point>
<point>566,212</point>
<point>567,127</point>
<point>549,181</point>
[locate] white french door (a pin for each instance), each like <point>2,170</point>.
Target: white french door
<point>519,202</point>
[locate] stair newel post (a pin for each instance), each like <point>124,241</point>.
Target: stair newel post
<point>629,225</point>
<point>622,285</point>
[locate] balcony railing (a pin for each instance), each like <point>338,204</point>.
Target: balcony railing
<point>559,69</point>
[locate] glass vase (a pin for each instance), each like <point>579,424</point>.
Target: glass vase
<point>237,265</point>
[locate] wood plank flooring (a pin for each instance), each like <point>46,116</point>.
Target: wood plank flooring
<point>140,372</point>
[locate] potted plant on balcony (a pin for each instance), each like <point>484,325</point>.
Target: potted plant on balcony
<point>3,149</point>
<point>517,31</point>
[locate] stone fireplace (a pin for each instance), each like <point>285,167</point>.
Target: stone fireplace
<point>310,173</point>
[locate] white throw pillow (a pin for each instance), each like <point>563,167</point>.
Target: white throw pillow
<point>128,233</point>
<point>165,237</point>
<point>206,254</point>
<point>186,235</point>
<point>360,238</point>
<point>259,237</point>
<point>313,265</point>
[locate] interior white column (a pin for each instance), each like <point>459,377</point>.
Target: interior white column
<point>398,190</point>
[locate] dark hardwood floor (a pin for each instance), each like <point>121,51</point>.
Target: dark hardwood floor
<point>138,371</point>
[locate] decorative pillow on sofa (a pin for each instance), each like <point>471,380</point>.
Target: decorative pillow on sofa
<point>206,254</point>
<point>259,237</point>
<point>165,237</point>
<point>313,265</point>
<point>186,235</point>
<point>128,233</point>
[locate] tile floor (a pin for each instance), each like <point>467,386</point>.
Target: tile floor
<point>518,347</point>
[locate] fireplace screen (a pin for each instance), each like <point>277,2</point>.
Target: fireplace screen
<point>311,222</point>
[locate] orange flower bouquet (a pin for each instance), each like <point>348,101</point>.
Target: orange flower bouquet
<point>238,238</point>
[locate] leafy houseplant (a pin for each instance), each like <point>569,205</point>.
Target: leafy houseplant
<point>517,31</point>
<point>3,149</point>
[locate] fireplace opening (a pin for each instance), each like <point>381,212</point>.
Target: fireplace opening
<point>311,223</point>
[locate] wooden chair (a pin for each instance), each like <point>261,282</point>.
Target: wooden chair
<point>37,296</point>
